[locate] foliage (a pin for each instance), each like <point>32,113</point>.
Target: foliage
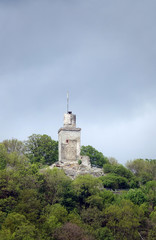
<point>70,231</point>
<point>152,232</point>
<point>3,157</point>
<point>123,220</point>
<point>114,182</point>
<point>145,170</point>
<point>41,149</point>
<point>118,169</point>
<point>136,196</point>
<point>79,162</point>
<point>14,145</point>
<point>45,204</point>
<point>96,158</point>
<point>86,186</point>
<point>104,233</point>
<point>150,191</point>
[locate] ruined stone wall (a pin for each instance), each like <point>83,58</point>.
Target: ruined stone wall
<point>69,150</point>
<point>69,144</point>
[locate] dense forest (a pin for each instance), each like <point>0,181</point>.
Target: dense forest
<point>39,203</point>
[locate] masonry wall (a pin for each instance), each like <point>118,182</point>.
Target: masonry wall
<point>69,144</point>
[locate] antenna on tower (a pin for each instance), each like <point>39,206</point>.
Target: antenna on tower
<point>67,102</point>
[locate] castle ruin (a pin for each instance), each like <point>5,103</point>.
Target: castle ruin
<point>70,160</point>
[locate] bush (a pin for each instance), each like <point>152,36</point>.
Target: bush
<point>114,182</point>
<point>118,169</point>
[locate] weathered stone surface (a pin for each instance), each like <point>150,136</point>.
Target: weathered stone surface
<point>70,159</point>
<point>69,139</point>
<point>73,169</point>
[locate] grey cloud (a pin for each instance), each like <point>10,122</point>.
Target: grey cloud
<point>102,52</point>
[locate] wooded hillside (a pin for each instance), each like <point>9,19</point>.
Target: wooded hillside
<point>37,203</point>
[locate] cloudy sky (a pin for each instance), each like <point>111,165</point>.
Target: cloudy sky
<point>103,52</point>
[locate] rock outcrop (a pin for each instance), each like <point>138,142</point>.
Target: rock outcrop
<point>81,167</point>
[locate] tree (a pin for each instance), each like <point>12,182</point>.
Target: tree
<point>114,181</point>
<point>14,145</point>
<point>86,186</point>
<point>118,169</point>
<point>136,196</point>
<point>55,185</point>
<point>71,231</point>
<point>108,197</point>
<point>104,233</point>
<point>92,216</point>
<point>29,205</point>
<point>55,216</point>
<point>145,170</point>
<point>149,190</point>
<point>3,157</point>
<point>152,232</point>
<point>96,158</point>
<point>16,227</point>
<point>123,220</point>
<point>25,232</point>
<point>14,220</point>
<point>41,149</point>
<point>112,161</point>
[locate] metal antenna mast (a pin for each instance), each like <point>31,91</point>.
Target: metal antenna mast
<point>67,102</point>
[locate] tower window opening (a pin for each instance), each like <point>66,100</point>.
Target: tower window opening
<point>66,141</point>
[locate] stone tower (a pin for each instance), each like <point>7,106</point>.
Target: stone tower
<point>69,139</point>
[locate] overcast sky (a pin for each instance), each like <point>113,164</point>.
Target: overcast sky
<point>103,52</point>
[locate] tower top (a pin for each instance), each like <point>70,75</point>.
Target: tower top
<point>69,120</point>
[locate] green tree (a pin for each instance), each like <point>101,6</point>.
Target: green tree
<point>5,234</point>
<point>29,205</point>
<point>123,220</point>
<point>136,196</point>
<point>14,145</point>
<point>149,190</point>
<point>54,217</point>
<point>145,170</point>
<point>16,227</point>
<point>104,233</point>
<point>114,182</point>
<point>85,186</point>
<point>18,175</point>
<point>118,169</point>
<point>59,212</point>
<point>14,220</point>
<point>25,232</point>
<point>92,216</point>
<point>3,157</point>
<point>108,197</point>
<point>97,158</point>
<point>55,185</point>
<point>41,149</point>
<point>152,231</point>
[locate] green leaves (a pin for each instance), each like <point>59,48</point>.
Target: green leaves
<point>96,158</point>
<point>45,204</point>
<point>3,157</point>
<point>145,170</point>
<point>113,181</point>
<point>16,227</point>
<point>136,196</point>
<point>123,220</point>
<point>118,169</point>
<point>41,149</point>
<point>55,185</point>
